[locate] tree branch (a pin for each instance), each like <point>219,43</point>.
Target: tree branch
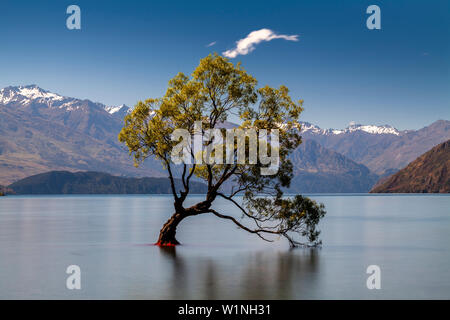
<point>257,231</point>
<point>172,182</point>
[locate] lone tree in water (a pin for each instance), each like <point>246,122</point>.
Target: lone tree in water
<point>217,89</point>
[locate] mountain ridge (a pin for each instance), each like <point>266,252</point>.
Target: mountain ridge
<point>429,173</point>
<point>42,131</point>
<point>37,136</point>
<point>26,94</point>
<point>384,152</point>
<point>317,168</point>
<point>371,129</point>
<point>37,94</point>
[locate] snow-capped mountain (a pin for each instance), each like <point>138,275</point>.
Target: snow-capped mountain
<point>27,95</point>
<point>371,129</point>
<point>32,94</point>
<point>42,131</point>
<point>54,132</point>
<point>119,111</point>
<point>381,148</point>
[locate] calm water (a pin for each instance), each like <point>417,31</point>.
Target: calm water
<point>109,237</point>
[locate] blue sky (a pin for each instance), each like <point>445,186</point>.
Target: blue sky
<point>128,50</point>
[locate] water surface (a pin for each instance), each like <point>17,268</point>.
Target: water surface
<point>110,238</point>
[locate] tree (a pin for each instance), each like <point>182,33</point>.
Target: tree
<point>217,89</point>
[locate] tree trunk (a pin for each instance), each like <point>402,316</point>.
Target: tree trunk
<point>168,231</point>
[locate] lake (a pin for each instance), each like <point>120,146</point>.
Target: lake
<point>110,237</point>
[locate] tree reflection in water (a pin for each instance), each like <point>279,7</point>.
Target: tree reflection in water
<point>247,275</point>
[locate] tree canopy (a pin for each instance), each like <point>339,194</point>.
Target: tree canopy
<point>217,90</point>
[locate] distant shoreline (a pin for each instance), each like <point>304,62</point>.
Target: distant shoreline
<point>99,183</point>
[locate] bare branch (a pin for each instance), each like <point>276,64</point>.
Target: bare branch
<point>172,182</point>
<point>257,231</point>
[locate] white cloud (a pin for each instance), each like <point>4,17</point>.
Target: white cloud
<point>211,44</point>
<point>247,45</point>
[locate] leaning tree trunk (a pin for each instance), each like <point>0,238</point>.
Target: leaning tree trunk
<point>168,231</point>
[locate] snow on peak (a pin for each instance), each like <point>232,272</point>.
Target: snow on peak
<point>385,129</point>
<point>27,94</point>
<point>24,95</point>
<point>114,109</point>
<point>312,128</point>
<point>34,92</point>
<point>371,129</point>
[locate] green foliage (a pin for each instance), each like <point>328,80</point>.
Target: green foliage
<point>216,89</point>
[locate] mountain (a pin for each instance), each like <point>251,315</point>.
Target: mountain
<point>27,95</point>
<point>371,129</point>
<point>317,169</point>
<point>42,131</point>
<point>430,173</point>
<point>383,149</point>
<point>64,182</point>
<point>118,111</point>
